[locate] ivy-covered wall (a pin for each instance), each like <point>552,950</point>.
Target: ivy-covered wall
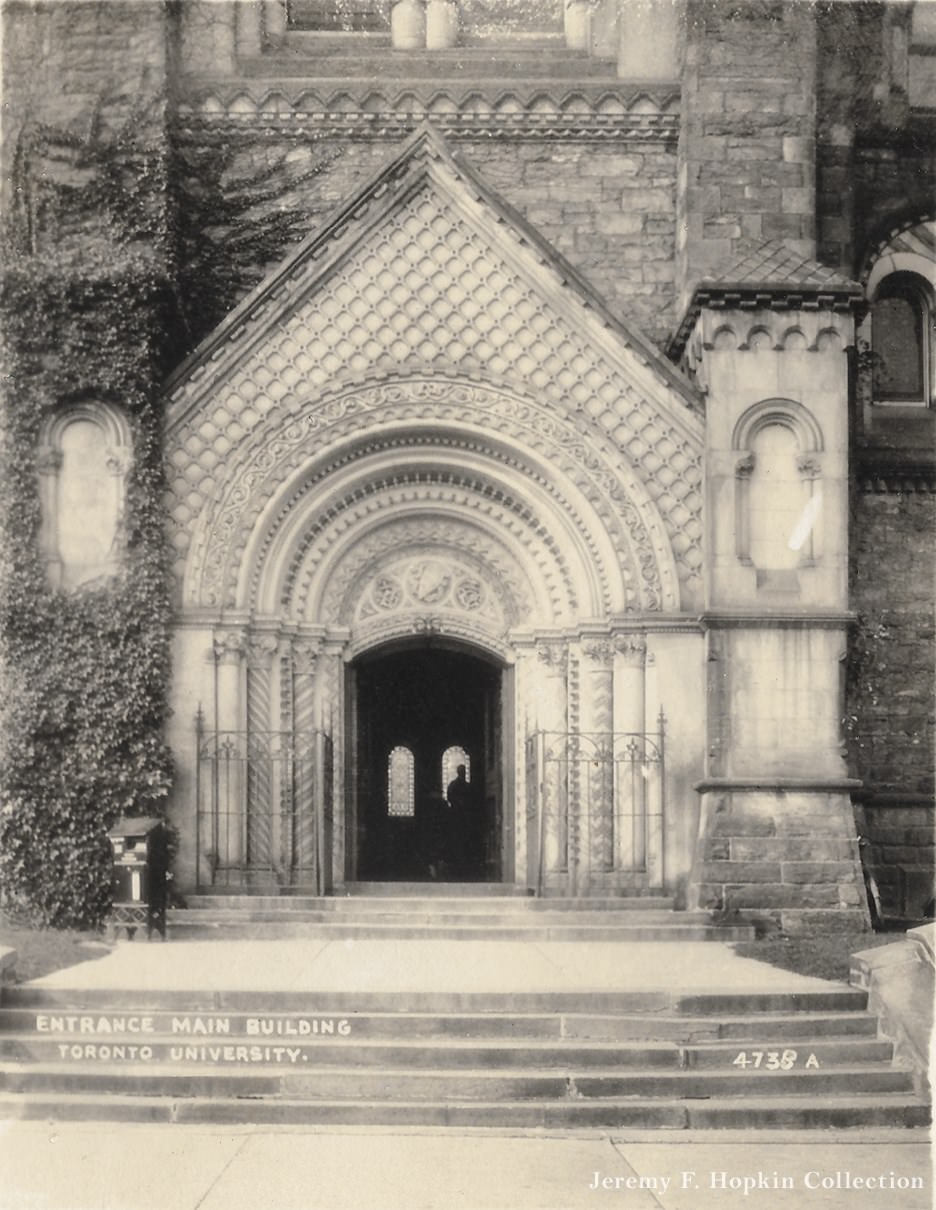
<point>87,314</point>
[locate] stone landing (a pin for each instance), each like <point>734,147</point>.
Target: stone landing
<point>468,1034</point>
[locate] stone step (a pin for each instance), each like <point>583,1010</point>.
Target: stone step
<point>585,1001</point>
<point>791,1113</point>
<point>433,890</point>
<point>279,926</point>
<point>298,1081</point>
<point>768,1030</point>
<point>441,1052</point>
<point>463,905</point>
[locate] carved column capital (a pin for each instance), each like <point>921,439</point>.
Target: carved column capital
<point>809,466</point>
<point>261,650</point>
<point>599,651</point>
<point>305,655</point>
<point>554,655</point>
<point>117,459</point>
<point>229,646</point>
<point>48,460</point>
<point>632,647</point>
<point>744,467</point>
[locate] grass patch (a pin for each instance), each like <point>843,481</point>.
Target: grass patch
<point>825,957</point>
<point>41,951</point>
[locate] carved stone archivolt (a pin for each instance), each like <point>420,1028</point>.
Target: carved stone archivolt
<point>632,530</point>
<point>429,286</point>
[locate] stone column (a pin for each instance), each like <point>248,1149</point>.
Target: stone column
<point>647,40</point>
<point>408,25</point>
<point>630,825</point>
<point>549,831</point>
<point>309,777</point>
<point>577,21</point>
<point>263,838</point>
<point>330,699</point>
<point>49,466</point>
<point>597,763</point>
<point>226,842</point>
<point>441,24</point>
<point>274,21</point>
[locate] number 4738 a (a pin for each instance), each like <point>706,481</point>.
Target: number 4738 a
<point>774,1060</point>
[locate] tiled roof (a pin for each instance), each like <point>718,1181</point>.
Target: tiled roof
<point>773,263</point>
<point>771,273</point>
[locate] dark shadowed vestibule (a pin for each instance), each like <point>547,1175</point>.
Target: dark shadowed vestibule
<point>418,712</point>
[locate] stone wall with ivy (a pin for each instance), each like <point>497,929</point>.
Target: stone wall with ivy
<point>87,313</point>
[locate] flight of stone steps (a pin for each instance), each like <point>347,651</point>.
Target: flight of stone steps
<point>444,911</point>
<point>508,1060</point>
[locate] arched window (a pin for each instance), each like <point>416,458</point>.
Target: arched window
<point>901,317</point>
<point>451,759</point>
<point>83,461</point>
<point>401,774</point>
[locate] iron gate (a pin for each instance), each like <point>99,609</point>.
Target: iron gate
<point>264,809</point>
<point>595,809</point>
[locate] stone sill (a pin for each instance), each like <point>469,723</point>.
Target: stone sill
<point>869,797</point>
<point>722,619</point>
<point>818,785</point>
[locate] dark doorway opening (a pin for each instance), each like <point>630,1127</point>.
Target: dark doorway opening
<point>418,713</point>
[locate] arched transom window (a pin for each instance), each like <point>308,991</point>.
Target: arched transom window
<point>401,777</point>
<point>451,759</point>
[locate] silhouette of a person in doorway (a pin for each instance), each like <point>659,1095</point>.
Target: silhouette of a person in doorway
<point>458,795</point>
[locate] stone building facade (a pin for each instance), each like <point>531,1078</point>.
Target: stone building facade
<point>580,430</point>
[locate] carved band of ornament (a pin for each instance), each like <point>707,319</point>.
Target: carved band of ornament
<point>229,646</point>
<point>427,625</point>
<point>49,460</point>
<point>809,466</point>
<point>261,650</point>
<point>624,128</point>
<point>117,459</point>
<point>305,656</point>
<point>744,467</point>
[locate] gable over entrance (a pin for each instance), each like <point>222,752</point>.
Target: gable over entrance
<point>425,424</point>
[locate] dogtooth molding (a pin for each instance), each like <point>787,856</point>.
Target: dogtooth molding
<point>602,111</point>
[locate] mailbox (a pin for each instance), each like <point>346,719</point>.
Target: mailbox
<point>140,873</point>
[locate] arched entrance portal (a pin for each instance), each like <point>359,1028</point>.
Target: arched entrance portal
<point>417,711</point>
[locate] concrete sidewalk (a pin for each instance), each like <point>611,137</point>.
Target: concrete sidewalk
<point>429,966</point>
<point>124,1167</point>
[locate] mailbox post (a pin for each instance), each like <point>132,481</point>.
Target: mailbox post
<point>140,873</point>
